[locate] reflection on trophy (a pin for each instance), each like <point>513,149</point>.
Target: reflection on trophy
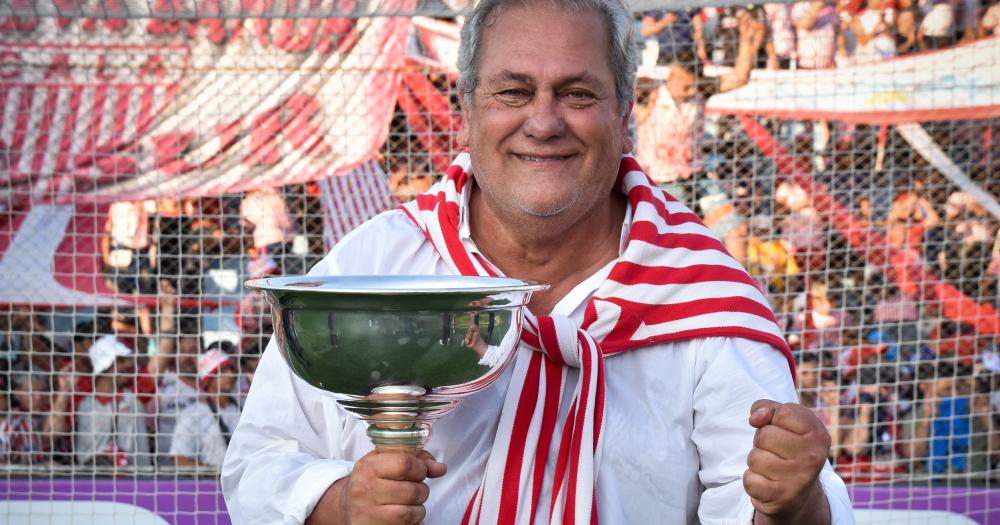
<point>397,351</point>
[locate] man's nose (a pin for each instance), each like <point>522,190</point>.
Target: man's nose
<point>545,120</point>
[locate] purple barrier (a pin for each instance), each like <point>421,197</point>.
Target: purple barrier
<point>200,502</point>
<point>979,504</point>
<point>179,502</point>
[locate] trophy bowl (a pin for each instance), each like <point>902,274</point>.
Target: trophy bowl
<point>397,351</point>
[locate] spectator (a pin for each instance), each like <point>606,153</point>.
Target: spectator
<point>670,123</point>
<point>25,425</point>
<point>111,425</point>
<point>990,24</point>
<point>770,257</point>
<point>829,408</point>
<point>910,217</point>
<point>816,25</point>
<point>821,325</point>
<point>968,219</point>
<point>248,368</point>
<point>781,44</point>
<point>970,20</point>
<point>265,214</point>
<point>937,29</point>
<point>76,372</point>
<point>807,377</point>
<point>906,26</point>
<point>938,435</point>
<point>204,428</point>
<point>670,30</point>
<point>168,384</point>
<point>875,30</point>
<point>801,227</point>
<point>896,318</point>
<point>717,34</point>
<point>404,184</point>
<point>874,431</point>
<point>125,247</point>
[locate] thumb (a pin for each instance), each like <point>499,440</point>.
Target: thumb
<point>435,469</point>
<point>762,411</point>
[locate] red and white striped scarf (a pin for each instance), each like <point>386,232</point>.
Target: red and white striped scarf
<point>673,281</point>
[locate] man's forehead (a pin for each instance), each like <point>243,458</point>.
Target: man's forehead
<point>522,39</point>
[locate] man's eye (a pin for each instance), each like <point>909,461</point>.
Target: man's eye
<point>514,93</point>
<point>579,97</point>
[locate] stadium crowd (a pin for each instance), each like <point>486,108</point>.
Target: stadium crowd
<point>901,387</point>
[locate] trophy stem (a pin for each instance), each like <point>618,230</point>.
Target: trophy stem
<point>408,439</point>
<point>399,417</point>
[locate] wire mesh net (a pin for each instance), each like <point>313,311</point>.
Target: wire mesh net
<point>156,154</point>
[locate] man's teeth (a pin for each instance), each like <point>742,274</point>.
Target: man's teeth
<point>541,159</point>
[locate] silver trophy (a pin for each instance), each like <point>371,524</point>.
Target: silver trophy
<point>397,351</point>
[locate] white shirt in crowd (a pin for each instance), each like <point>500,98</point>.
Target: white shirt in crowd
<point>939,17</point>
<point>815,46</point>
<point>267,211</point>
<point>173,395</point>
<point>128,225</point>
<point>779,17</point>
<point>676,433</point>
<point>198,434</point>
<point>883,45</point>
<point>104,423</point>
<point>669,138</point>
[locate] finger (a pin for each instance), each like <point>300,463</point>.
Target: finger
<point>796,418</point>
<point>399,466</point>
<point>403,514</point>
<point>771,466</point>
<point>760,488</point>
<point>778,441</point>
<point>435,469</point>
<point>389,492</point>
<point>761,412</point>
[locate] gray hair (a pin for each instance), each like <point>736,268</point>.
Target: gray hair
<point>623,54</point>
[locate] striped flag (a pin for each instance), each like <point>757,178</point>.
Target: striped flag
<point>348,200</point>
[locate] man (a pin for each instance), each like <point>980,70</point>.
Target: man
<point>265,213</point>
<point>545,117</point>
<point>111,425</point>
<point>203,429</point>
<point>167,383</point>
<point>670,126</point>
<point>671,31</point>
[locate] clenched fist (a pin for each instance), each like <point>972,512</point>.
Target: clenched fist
<point>384,488</point>
<point>790,448</point>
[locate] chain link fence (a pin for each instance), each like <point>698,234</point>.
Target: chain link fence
<point>157,154</point>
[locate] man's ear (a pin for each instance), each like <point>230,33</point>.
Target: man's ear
<point>627,144</point>
<point>463,130</point>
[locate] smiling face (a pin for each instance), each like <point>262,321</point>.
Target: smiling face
<point>544,127</point>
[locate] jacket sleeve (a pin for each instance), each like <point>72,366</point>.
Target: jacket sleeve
<point>732,374</point>
<point>284,454</point>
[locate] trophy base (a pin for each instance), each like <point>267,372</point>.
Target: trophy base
<point>398,417</point>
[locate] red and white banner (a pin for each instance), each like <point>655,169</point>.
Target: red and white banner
<point>348,200</point>
<point>51,257</point>
<point>114,109</point>
<point>954,84</point>
<point>95,110</point>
